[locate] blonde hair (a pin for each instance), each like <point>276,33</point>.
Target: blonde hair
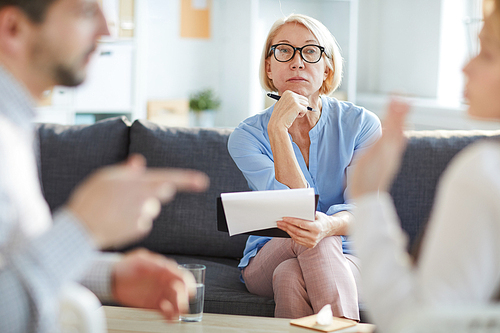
<point>325,38</point>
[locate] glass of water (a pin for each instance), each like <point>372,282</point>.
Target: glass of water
<point>195,302</point>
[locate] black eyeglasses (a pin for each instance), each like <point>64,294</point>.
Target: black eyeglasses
<point>285,52</point>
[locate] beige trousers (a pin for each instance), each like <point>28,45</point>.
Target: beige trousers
<point>303,280</point>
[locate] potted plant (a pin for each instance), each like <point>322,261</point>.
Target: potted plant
<point>203,105</point>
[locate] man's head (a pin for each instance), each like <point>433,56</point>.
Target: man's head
<point>35,9</point>
<point>49,42</point>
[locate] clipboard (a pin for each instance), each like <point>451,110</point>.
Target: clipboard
<point>270,232</point>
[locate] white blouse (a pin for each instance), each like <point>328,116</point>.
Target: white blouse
<point>460,254</point>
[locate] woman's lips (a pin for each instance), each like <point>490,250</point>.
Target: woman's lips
<point>297,79</point>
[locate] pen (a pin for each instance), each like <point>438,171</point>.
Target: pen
<point>276,97</point>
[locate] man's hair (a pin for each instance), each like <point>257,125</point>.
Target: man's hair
<point>34,9</point>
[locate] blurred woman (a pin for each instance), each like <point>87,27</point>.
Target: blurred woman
<point>290,146</point>
<point>459,262</point>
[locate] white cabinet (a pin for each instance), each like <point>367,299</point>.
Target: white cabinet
<point>108,87</point>
<point>107,90</point>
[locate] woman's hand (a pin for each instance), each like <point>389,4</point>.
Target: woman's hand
<point>290,107</point>
<point>307,233</point>
<point>376,169</point>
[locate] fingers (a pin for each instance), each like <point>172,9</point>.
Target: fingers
<point>149,211</point>
<point>289,107</point>
<point>176,300</point>
<point>136,161</point>
<point>190,282</point>
<point>177,179</point>
<point>181,286</point>
<point>301,231</point>
<point>118,203</point>
<point>396,115</point>
<point>167,309</point>
<point>175,303</point>
<point>173,284</point>
<point>170,180</point>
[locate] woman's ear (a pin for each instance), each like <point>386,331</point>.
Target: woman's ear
<point>268,69</point>
<point>327,71</point>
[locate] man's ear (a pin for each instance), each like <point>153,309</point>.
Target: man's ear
<point>268,69</point>
<point>14,25</point>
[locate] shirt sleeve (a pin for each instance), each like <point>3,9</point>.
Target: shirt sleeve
<point>251,152</point>
<point>460,258</point>
<point>31,274</point>
<point>98,278</point>
<point>369,133</point>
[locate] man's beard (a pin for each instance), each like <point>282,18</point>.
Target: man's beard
<point>70,76</point>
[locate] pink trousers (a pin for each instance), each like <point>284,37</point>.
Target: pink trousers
<point>303,280</point>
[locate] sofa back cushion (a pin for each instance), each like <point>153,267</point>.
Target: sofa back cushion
<point>188,224</point>
<point>70,153</point>
<point>427,155</point>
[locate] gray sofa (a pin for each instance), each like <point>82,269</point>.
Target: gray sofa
<point>186,228</point>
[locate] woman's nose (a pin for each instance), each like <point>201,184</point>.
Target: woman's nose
<point>297,61</point>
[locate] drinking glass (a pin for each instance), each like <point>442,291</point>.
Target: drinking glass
<point>195,302</point>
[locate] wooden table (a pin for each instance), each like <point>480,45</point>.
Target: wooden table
<point>129,320</point>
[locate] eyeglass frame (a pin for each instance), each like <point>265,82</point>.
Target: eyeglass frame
<point>295,49</point>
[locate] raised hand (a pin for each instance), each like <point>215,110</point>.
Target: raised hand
<point>117,204</point>
<point>376,168</point>
<point>287,109</point>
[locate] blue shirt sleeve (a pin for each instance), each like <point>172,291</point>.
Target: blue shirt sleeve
<point>369,131</point>
<point>251,151</point>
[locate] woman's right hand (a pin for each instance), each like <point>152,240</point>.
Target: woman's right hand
<point>376,168</point>
<point>290,107</point>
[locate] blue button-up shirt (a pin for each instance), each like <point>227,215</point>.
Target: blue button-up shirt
<point>342,131</point>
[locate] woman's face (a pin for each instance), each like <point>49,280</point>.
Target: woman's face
<point>483,78</point>
<point>296,75</point>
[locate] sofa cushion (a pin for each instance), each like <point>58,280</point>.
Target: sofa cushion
<point>188,224</point>
<point>427,155</point>
<point>69,153</point>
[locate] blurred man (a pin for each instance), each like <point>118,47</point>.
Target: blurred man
<point>45,43</point>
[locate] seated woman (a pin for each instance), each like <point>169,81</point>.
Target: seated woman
<point>459,260</point>
<point>286,147</point>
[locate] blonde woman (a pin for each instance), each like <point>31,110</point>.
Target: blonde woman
<point>290,146</point>
<point>459,262</point>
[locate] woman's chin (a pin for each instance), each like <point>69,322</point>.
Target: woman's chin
<point>481,114</point>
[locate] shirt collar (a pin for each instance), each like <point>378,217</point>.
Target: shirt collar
<point>16,103</point>
<point>322,118</point>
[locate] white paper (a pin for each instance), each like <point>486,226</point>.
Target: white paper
<point>257,210</point>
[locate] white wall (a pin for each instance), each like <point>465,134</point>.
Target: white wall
<point>177,66</point>
<point>398,46</point>
<point>228,62</point>
<point>417,48</point>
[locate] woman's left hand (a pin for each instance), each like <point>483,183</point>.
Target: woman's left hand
<point>304,232</point>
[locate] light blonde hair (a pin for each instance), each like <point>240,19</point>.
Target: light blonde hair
<point>325,38</point>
